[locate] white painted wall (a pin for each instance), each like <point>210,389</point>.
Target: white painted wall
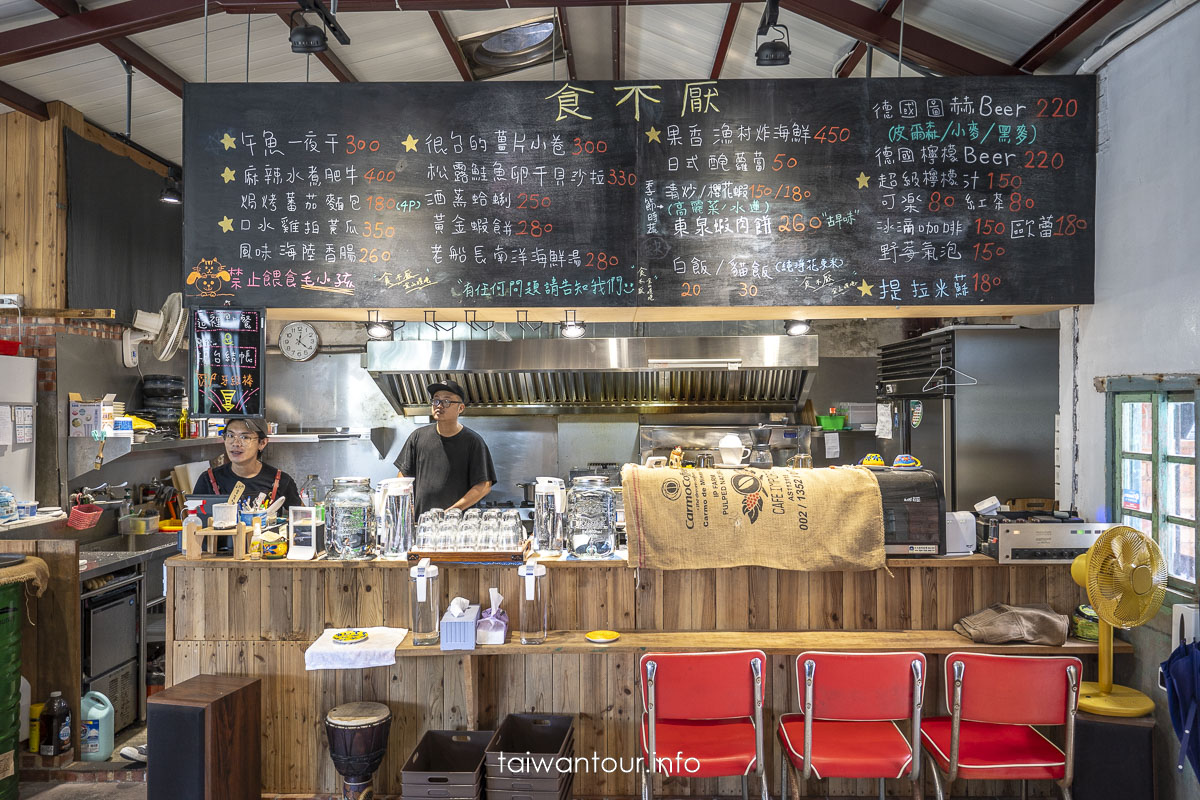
<point>1146,318</point>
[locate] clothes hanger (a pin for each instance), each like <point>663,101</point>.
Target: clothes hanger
<point>942,366</point>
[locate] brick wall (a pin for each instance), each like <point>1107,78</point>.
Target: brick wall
<point>37,340</point>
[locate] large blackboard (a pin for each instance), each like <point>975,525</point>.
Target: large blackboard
<point>954,191</point>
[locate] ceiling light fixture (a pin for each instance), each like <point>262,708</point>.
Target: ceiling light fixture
<point>796,327</point>
<point>774,52</point>
<point>570,327</point>
<point>377,329</point>
<point>172,192</point>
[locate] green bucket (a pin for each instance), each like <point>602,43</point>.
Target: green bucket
<point>11,617</point>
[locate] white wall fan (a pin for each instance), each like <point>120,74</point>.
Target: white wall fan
<point>165,329</point>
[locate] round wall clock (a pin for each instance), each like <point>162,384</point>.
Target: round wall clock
<point>299,341</point>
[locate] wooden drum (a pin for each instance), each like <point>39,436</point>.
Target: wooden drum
<point>358,735</point>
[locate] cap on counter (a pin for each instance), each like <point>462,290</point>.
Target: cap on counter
<point>448,386</point>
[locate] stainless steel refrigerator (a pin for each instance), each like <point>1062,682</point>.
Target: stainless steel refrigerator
<point>976,404</point>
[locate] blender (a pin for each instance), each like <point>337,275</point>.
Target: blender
<point>760,453</point>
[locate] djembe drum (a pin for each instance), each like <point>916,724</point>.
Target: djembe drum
<point>358,735</point>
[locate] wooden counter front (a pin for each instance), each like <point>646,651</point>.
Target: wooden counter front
<point>256,618</point>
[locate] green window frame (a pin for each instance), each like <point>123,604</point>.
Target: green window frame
<point>1153,476</point>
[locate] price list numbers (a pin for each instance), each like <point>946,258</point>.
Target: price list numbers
<point>974,182</point>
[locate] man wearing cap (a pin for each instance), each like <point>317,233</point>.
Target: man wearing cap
<point>245,441</point>
<point>451,464</point>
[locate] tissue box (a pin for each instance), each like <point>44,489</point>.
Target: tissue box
<point>90,415</point>
<point>458,633</point>
<point>492,632</point>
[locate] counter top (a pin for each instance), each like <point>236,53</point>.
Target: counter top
<point>930,642</point>
<point>119,552</point>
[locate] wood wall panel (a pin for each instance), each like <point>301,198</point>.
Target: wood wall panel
<point>258,619</point>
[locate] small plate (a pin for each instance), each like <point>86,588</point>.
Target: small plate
<point>11,559</point>
<point>601,637</point>
<point>730,466</point>
<point>349,637</point>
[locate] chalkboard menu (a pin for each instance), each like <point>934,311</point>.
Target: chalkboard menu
<point>226,364</point>
<point>954,191</point>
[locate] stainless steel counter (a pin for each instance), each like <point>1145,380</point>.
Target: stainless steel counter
<point>119,552</point>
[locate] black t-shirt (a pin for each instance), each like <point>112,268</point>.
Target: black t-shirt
<point>262,482</point>
<point>444,467</point>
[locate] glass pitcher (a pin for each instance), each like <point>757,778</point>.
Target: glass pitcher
<point>591,518</point>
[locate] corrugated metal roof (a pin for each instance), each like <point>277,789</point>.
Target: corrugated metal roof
<point>663,42</point>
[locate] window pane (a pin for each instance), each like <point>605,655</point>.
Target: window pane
<point>1137,426</point>
<point>1179,548</point>
<point>1142,525</point>
<point>1136,487</point>
<point>1179,491</point>
<point>1181,429</point>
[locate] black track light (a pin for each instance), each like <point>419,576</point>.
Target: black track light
<point>172,192</point>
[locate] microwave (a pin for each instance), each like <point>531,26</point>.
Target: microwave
<point>914,512</point>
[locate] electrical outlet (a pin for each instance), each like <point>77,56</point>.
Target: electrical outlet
<point>12,300</point>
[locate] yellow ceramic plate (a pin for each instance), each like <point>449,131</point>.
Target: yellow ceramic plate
<point>601,637</point>
<point>350,637</point>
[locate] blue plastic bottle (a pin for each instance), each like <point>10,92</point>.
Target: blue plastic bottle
<point>96,734</point>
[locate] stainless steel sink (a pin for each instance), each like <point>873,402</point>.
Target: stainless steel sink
<point>130,543</point>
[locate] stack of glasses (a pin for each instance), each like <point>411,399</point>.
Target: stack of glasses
<point>473,530</point>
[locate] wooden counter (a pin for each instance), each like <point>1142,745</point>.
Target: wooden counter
<point>256,618</point>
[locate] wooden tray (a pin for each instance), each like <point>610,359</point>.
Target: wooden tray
<point>471,557</point>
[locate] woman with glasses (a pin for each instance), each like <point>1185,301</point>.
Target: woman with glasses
<point>245,440</point>
<point>450,464</point>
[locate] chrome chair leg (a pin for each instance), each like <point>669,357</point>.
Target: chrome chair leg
<point>937,778</point>
<point>647,785</point>
<point>766,791</point>
<point>745,787</point>
<point>1024,790</point>
<point>1066,792</point>
<point>881,796</point>
<point>918,792</point>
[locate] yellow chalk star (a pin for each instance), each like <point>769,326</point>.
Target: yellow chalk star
<point>410,144</point>
<point>228,174</point>
<point>229,142</point>
<point>865,288</point>
<point>863,178</point>
<point>652,135</point>
<point>226,224</point>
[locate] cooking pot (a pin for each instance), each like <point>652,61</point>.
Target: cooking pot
<point>528,488</point>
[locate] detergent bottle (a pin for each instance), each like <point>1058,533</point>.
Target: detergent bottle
<point>96,735</point>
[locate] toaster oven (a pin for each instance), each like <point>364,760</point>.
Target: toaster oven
<point>914,512</point>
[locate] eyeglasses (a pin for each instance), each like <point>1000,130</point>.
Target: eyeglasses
<point>437,402</point>
<point>241,438</point>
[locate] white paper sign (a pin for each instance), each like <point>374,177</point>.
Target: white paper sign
<point>833,447</point>
<point>24,424</point>
<point>883,420</point>
<point>6,426</point>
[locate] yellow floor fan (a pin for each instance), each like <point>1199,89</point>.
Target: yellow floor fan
<point>1126,579</point>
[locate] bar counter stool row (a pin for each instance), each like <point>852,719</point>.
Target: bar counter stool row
<point>703,718</point>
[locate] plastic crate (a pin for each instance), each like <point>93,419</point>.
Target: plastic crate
<point>458,633</point>
<point>446,764</point>
<point>538,740</point>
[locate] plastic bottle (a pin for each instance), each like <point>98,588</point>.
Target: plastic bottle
<point>35,739</point>
<point>256,540</point>
<point>54,726</point>
<point>96,731</point>
<point>310,489</point>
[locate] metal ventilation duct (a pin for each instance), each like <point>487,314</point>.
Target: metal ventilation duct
<point>556,376</point>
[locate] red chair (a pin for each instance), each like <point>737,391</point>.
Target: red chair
<point>848,727</point>
<point>703,716</point>
<point>994,702</point>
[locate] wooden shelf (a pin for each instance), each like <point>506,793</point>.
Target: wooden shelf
<point>770,642</point>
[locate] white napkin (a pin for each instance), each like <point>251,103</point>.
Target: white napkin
<point>379,650</point>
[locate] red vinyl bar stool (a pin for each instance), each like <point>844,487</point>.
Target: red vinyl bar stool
<point>703,716</point>
<point>848,727</point>
<point>995,701</point>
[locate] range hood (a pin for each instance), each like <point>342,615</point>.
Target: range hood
<point>562,376</point>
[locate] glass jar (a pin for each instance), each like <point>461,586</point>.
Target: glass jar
<point>349,519</point>
<point>591,518</point>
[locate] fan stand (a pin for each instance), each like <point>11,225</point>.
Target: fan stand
<point>1105,698</point>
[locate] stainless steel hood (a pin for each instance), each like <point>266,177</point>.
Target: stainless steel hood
<point>556,376</point>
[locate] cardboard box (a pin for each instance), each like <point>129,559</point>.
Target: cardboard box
<point>87,416</point>
<point>1043,505</point>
